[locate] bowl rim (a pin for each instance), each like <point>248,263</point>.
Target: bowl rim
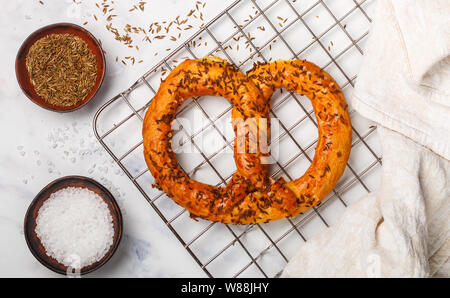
<point>43,30</point>
<point>117,215</point>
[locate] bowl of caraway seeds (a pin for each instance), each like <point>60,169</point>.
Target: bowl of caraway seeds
<point>73,226</point>
<point>60,67</point>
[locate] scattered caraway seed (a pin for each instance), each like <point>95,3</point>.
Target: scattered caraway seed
<point>158,30</point>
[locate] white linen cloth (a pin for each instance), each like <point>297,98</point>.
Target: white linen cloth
<point>402,229</point>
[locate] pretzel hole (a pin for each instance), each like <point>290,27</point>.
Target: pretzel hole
<point>203,139</point>
<point>293,133</point>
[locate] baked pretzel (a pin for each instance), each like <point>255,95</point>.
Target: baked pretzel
<point>200,77</point>
<point>251,195</point>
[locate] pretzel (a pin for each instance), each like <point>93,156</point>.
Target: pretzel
<point>251,195</point>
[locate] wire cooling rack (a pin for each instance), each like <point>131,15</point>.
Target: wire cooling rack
<point>328,33</point>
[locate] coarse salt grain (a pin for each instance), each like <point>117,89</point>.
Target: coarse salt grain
<point>75,227</point>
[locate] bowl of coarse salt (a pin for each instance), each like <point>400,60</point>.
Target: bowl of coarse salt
<point>73,226</point>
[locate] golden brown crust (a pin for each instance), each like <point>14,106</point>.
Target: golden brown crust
<point>250,196</point>
<point>331,110</point>
<point>207,76</point>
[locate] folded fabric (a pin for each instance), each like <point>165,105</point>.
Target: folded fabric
<point>402,229</point>
<point>404,80</point>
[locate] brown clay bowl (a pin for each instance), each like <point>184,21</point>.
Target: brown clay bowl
<point>22,73</point>
<point>35,245</point>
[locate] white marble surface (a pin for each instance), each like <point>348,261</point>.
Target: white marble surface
<point>39,146</point>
